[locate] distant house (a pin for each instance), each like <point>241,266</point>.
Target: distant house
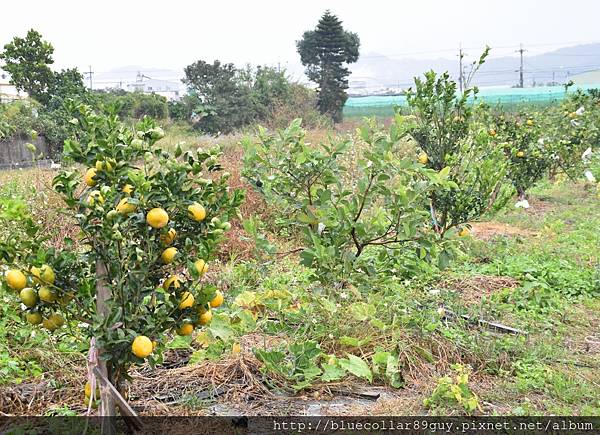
<point>7,91</point>
<point>147,85</point>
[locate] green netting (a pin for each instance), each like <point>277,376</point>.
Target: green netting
<point>505,97</point>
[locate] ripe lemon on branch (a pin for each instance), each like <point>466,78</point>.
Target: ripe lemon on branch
<point>197,212</point>
<point>217,301</point>
<point>185,329</point>
<point>201,266</point>
<point>16,280</point>
<point>168,237</point>
<point>168,255</point>
<point>89,177</point>
<point>124,207</point>
<point>186,301</point>
<point>157,218</point>
<point>141,346</point>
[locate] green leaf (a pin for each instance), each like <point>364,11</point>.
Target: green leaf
<point>332,372</point>
<point>357,366</point>
<point>362,311</point>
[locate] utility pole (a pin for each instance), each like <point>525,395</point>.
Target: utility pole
<point>461,77</point>
<point>520,51</point>
<point>89,74</point>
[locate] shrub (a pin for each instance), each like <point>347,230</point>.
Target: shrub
<point>442,128</point>
<point>351,216</point>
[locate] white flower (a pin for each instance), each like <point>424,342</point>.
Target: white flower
<point>589,176</point>
<point>434,291</point>
<point>580,111</point>
<point>344,295</point>
<point>330,336</point>
<point>587,154</point>
<point>320,228</point>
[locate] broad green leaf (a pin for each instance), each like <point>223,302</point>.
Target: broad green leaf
<point>357,366</point>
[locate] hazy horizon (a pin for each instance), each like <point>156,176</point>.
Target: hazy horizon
<point>171,35</point>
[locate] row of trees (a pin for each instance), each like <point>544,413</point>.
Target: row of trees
<point>221,97</point>
<point>372,205</point>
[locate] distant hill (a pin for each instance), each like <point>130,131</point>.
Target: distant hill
<point>587,78</point>
<point>374,70</point>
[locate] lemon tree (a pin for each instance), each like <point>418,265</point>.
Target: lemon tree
<point>528,154</point>
<point>445,130</point>
<point>358,206</point>
<point>150,222</point>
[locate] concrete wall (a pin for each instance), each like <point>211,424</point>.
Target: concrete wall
<point>13,152</point>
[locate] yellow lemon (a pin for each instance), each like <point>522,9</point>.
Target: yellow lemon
<point>236,348</point>
<point>141,346</point>
<point>95,197</point>
<point>44,274</point>
<point>89,177</point>
<point>157,218</point>
<point>28,297</point>
<point>88,390</point>
<point>124,207</point>
<point>128,189</point>
<point>34,318</point>
<point>423,158</point>
<point>201,266</point>
<point>173,281</point>
<point>520,154</point>
<point>169,236</point>
<point>99,165</point>
<point>217,301</point>
<point>197,212</point>
<point>168,255</point>
<point>185,329</point>
<point>46,294</point>
<point>463,232</point>
<point>205,318</point>
<point>186,301</point>
<point>16,280</point>
<point>530,122</point>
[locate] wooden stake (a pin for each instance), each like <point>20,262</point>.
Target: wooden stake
<point>124,407</point>
<point>107,405</point>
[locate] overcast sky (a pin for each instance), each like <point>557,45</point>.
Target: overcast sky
<point>171,34</point>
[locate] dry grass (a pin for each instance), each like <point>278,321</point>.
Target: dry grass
<point>490,230</point>
<point>473,288</point>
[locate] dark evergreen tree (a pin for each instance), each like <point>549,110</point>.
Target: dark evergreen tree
<point>325,52</point>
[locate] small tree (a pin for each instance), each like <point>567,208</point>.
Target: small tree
<point>221,102</point>
<point>325,51</point>
<point>27,61</point>
<point>443,128</point>
<point>528,155</point>
<point>356,203</point>
<point>150,222</point>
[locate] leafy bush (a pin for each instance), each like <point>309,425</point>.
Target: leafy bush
<point>527,154</point>
<point>452,392</point>
<point>133,105</point>
<point>442,128</point>
<point>223,98</point>
<point>348,198</point>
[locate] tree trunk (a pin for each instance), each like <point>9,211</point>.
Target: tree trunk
<point>107,406</point>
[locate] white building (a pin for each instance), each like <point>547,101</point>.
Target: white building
<point>7,91</point>
<point>147,85</point>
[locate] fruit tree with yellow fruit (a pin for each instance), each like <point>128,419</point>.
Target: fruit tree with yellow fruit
<point>150,222</point>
